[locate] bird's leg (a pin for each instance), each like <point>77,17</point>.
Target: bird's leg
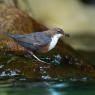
<point>36,57</point>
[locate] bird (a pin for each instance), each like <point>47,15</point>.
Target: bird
<point>41,42</point>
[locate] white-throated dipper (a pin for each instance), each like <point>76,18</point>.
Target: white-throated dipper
<point>38,41</point>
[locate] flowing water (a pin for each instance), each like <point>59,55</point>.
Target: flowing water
<point>48,88</point>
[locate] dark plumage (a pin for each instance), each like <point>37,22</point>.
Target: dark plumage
<point>33,41</point>
<point>38,41</point>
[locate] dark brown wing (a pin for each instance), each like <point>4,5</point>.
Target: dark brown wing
<point>33,41</point>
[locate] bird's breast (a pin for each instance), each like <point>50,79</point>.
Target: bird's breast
<point>53,42</point>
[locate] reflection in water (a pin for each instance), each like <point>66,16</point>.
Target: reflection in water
<point>47,88</point>
<point>53,92</point>
<point>34,88</point>
<point>54,89</point>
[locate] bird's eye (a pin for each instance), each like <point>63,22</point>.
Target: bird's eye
<point>59,31</point>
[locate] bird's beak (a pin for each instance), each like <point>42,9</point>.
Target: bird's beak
<point>66,35</point>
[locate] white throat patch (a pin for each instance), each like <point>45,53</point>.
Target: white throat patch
<point>54,41</point>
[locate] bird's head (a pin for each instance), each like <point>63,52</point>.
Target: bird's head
<point>59,31</point>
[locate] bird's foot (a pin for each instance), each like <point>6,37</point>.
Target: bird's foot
<point>37,57</point>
